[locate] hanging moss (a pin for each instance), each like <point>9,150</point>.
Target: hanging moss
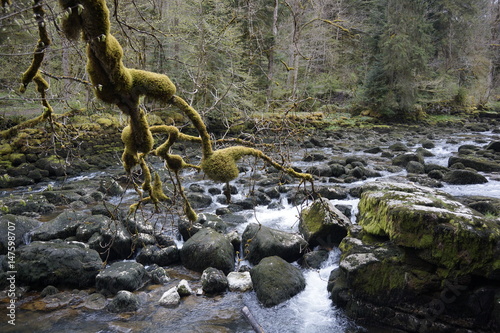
<point>157,192</point>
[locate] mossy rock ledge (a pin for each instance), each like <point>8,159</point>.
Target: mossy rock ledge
<point>419,261</point>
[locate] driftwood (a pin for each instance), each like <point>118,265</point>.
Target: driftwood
<point>251,319</point>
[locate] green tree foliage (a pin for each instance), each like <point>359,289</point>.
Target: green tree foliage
<point>401,46</point>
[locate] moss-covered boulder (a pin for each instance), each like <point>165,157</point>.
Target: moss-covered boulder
<point>261,241</point>
<point>464,177</point>
<point>418,261</point>
<point>323,224</point>
<point>476,163</point>
<point>444,231</point>
<point>275,281</point>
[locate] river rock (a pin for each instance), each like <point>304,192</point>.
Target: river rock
<point>314,259</point>
<point>170,298</point>
<point>261,241</point>
<point>495,146</point>
<point>208,248</point>
<point>95,301</point>
<point>153,254</point>
<point>332,192</point>
<point>184,289</point>
<point>62,226</point>
<point>275,281</point>
<point>110,187</point>
<point>476,163</point>
<point>239,281</point>
<point>323,224</point>
<point>412,245</point>
<point>464,177</point>
<point>109,237</point>
<point>123,275</point>
<point>213,281</point>
<point>403,159</point>
<point>15,228</point>
<point>157,274</point>
<point>124,301</point>
<point>57,263</point>
<point>415,167</point>
<point>323,170</point>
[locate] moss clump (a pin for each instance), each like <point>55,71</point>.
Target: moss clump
<point>154,85</point>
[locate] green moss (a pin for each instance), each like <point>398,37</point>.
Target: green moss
<point>221,165</point>
<point>154,85</point>
<point>157,193</point>
<point>111,79</point>
<point>5,149</point>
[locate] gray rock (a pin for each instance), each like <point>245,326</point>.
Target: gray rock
<point>61,227</point>
<point>170,298</point>
<point>123,275</point>
<point>208,248</point>
<point>57,263</point>
<point>239,281</point>
<point>323,224</point>
<point>403,159</point>
<point>199,200</point>
<point>314,259</point>
<point>213,281</point>
<point>275,281</point>
<point>184,289</point>
<point>415,167</point>
<point>153,254</point>
<point>157,274</point>
<point>108,237</point>
<point>95,301</point>
<point>111,187</point>
<point>261,241</point>
<point>124,301</point>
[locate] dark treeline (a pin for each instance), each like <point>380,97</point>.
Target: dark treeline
<point>234,59</point>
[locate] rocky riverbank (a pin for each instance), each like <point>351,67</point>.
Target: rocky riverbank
<point>416,260</point>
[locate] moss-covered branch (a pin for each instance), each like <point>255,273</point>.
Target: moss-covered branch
<point>117,84</point>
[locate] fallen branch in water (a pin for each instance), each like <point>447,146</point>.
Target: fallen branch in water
<point>251,319</point>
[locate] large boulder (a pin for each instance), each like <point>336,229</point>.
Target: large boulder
<point>14,231</point>
<point>323,224</point>
<point>275,281</point>
<point>208,248</point>
<point>40,264</point>
<point>417,249</point>
<point>123,275</point>
<point>261,241</point>
<point>446,232</point>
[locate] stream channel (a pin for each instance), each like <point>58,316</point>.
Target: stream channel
<point>310,311</point>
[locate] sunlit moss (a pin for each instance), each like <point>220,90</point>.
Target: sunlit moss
<point>157,192</point>
<point>154,85</point>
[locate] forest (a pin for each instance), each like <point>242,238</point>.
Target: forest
<point>238,60</point>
